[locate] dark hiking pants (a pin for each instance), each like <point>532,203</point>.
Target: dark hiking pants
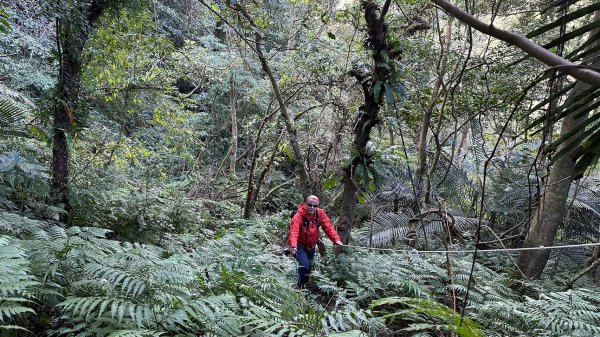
<point>305,258</point>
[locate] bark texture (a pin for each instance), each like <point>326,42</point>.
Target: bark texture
<point>234,132</point>
<point>553,203</point>
<point>369,113</point>
<point>72,32</point>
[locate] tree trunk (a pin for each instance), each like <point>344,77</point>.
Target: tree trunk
<point>234,132</point>
<point>439,89</point>
<point>369,114</point>
<point>70,37</point>
<point>552,206</point>
<point>252,190</point>
<point>551,209</point>
<point>287,118</point>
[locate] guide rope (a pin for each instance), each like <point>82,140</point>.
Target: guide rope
<point>473,250</point>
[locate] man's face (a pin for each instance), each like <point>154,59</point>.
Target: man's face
<point>312,207</point>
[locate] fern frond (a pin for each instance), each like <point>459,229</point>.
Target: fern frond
<point>120,309</point>
<point>129,284</point>
<point>12,120</point>
<point>347,319</point>
<point>214,313</point>
<point>15,96</point>
<point>9,310</point>
<point>15,282</point>
<point>443,317</point>
<point>13,327</point>
<point>136,333</point>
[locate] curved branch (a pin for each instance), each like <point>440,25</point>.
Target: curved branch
<point>531,48</point>
<point>384,9</point>
<point>569,284</point>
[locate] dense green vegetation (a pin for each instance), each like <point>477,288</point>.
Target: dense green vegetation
<point>152,151</point>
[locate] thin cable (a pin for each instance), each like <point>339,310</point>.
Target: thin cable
<point>478,250</point>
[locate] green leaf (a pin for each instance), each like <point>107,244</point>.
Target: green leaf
<point>376,176</point>
<point>377,90</point>
<point>70,143</point>
<point>591,154</point>
<point>331,35</point>
<point>389,94</point>
<point>366,177</point>
<point>400,91</point>
<point>4,25</point>
<point>358,170</point>
<point>329,183</point>
<point>385,56</point>
<point>41,134</point>
<point>351,333</point>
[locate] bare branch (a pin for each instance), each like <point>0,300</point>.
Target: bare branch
<point>531,48</point>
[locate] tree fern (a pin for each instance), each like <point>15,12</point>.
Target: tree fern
<point>387,228</point>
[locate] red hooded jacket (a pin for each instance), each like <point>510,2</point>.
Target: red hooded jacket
<point>308,235</point>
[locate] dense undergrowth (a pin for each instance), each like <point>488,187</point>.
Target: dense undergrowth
<point>77,282</point>
<point>155,244</point>
<point>168,263</point>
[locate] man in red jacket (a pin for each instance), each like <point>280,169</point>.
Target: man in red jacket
<point>304,235</point>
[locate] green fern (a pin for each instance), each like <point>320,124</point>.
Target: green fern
<point>12,119</point>
<point>572,313</point>
<point>15,284</point>
<point>4,25</point>
<point>224,288</point>
<point>425,314</point>
<point>136,333</point>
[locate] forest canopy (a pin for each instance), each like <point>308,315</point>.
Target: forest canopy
<point>154,152</point>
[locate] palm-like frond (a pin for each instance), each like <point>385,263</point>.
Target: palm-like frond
<point>12,120</point>
<point>585,136</point>
<point>582,219</point>
<point>385,228</point>
<point>390,228</point>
